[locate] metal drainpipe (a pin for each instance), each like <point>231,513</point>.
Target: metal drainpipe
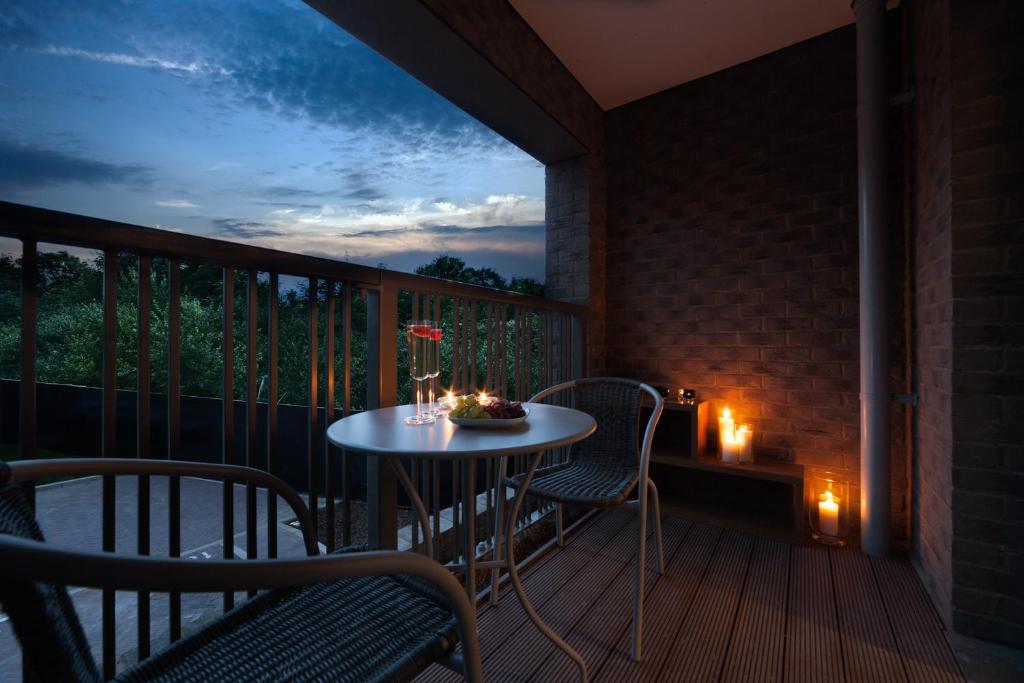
<point>874,356</point>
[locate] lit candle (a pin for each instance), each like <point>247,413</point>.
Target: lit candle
<point>828,514</point>
<point>726,425</point>
<point>727,437</point>
<point>482,398</point>
<point>448,402</point>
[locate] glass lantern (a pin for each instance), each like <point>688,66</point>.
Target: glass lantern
<point>829,509</point>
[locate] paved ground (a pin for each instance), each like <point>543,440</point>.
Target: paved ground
<point>69,514</point>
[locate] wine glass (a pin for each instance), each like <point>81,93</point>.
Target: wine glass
<point>420,365</point>
<point>435,371</point>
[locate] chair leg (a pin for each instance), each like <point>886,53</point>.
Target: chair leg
<point>657,526</point>
<point>559,531</point>
<point>638,587</point>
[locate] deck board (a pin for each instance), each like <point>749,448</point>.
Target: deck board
<point>759,639</point>
<point>869,646</point>
<point>813,649</point>
<point>698,652</point>
<point>730,607</point>
<point>560,613</point>
<point>664,608</point>
<point>916,624</point>
<point>612,612</point>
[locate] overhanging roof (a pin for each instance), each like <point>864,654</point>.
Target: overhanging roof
<point>622,50</point>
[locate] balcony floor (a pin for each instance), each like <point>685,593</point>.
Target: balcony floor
<point>730,607</point>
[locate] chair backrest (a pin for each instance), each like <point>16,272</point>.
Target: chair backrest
<point>53,645</point>
<point>615,406</point>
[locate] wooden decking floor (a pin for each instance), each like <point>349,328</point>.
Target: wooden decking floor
<point>730,607</point>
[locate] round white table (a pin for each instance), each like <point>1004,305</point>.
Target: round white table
<point>383,433</point>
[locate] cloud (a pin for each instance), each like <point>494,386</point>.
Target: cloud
<point>286,191</point>
<point>134,60</point>
<point>511,249</point>
<point>176,204</point>
<point>243,230</point>
<point>365,193</point>
<point>25,166</point>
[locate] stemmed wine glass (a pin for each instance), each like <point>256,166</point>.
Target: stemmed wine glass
<point>420,365</point>
<point>435,371</point>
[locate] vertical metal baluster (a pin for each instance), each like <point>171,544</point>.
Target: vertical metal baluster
<point>463,346</point>
<point>456,514</point>
<point>440,355</point>
<point>437,509</point>
<point>346,480</point>
<point>489,360</point>
<point>29,326</point>
<point>469,486</point>
<point>503,329</point>
<point>414,472</point>
<point>458,358</point>
<point>252,308</point>
<point>460,326</point>
<point>109,449</point>
<point>313,451</point>
<point>489,471</point>
<point>145,296</point>
<point>456,382</point>
<point>528,389</point>
<point>475,377</point>
<point>329,453</point>
<point>174,430</point>
<point>27,421</point>
<point>228,421</point>
<point>272,454</point>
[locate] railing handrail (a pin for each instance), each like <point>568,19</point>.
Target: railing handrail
<point>47,225</point>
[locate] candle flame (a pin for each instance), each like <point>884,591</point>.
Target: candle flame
<point>827,497</point>
<point>483,396</point>
<point>726,414</point>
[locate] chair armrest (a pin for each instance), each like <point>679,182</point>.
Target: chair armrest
<point>31,470</point>
<point>34,561</point>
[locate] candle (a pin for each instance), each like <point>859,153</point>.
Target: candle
<point>727,437</point>
<point>745,437</point>
<point>482,398</point>
<point>828,514</point>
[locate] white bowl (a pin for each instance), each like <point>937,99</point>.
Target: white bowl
<point>492,423</point>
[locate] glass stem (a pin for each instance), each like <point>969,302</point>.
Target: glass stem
<point>419,398</point>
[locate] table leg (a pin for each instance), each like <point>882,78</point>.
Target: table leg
<point>499,506</point>
<point>469,526</point>
<point>417,502</point>
<point>513,573</point>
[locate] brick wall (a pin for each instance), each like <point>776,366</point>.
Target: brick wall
<point>933,471</point>
<point>732,246</point>
<point>987,117</point>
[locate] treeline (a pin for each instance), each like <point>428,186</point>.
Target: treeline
<point>70,326</point>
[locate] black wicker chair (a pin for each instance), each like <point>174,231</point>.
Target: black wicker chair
<point>350,616</point>
<point>603,469</point>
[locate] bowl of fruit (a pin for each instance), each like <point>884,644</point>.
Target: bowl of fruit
<point>488,413</point>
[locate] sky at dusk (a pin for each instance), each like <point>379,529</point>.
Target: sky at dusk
<point>256,121</point>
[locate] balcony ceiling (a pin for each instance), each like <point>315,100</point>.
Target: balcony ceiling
<point>622,50</point>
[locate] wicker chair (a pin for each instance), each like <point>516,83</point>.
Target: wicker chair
<point>603,469</point>
<point>351,616</point>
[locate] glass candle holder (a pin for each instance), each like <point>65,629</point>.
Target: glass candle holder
<point>745,438</point>
<point>829,509</point>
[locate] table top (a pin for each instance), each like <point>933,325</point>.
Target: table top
<point>382,432</point>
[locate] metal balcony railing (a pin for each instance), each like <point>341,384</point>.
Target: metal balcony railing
<point>509,344</point>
